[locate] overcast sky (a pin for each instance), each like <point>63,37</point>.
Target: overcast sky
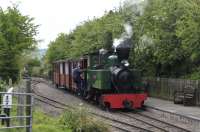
<point>56,16</point>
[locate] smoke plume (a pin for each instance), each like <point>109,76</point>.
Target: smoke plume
<point>123,40</point>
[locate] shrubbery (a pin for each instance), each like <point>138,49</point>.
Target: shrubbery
<point>82,121</point>
<point>78,120</point>
<point>45,123</point>
<point>17,37</point>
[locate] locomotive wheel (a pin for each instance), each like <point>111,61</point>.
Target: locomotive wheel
<point>105,106</point>
<point>101,104</point>
<point>143,107</point>
<point>128,104</point>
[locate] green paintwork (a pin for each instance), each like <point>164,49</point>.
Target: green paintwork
<point>103,61</point>
<point>93,60</point>
<point>99,79</point>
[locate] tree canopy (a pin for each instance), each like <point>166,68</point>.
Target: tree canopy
<point>165,37</point>
<point>17,36</point>
<point>167,41</point>
<point>87,37</point>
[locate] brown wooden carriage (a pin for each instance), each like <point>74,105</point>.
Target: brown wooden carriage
<point>63,72</point>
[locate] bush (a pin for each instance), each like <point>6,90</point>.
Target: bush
<point>193,76</point>
<point>2,86</point>
<point>80,120</point>
<point>70,121</point>
<point>44,123</point>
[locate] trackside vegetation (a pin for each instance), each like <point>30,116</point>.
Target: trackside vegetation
<point>166,40</point>
<point>81,120</point>
<point>75,120</point>
<point>45,123</point>
<point>70,121</point>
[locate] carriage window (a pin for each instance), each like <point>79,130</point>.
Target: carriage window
<point>61,68</point>
<point>66,69</point>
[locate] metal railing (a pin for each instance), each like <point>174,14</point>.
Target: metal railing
<point>16,109</point>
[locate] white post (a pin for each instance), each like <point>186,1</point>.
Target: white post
<point>7,105</point>
<point>7,99</point>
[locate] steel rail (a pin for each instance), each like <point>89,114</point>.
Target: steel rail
<point>98,115</point>
<point>146,122</point>
<point>170,124</point>
<point>153,124</point>
<point>64,108</point>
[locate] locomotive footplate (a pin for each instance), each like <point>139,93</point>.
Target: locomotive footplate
<point>117,101</point>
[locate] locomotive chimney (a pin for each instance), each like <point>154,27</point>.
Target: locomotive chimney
<point>122,45</point>
<point>123,50</point>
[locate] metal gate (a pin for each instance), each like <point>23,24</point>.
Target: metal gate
<point>16,110</point>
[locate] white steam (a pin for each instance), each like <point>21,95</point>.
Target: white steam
<point>137,6</point>
<point>128,29</point>
<point>145,41</point>
<point>125,35</point>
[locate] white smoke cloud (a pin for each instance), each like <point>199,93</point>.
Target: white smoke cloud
<point>129,30</point>
<point>125,35</point>
<point>138,6</point>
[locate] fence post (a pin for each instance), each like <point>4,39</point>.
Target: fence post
<point>28,108</point>
<point>21,101</point>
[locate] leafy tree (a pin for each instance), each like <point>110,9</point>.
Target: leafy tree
<point>188,29</point>
<point>166,40</point>
<point>16,37</point>
<point>32,64</point>
<point>165,34</point>
<point>87,37</point>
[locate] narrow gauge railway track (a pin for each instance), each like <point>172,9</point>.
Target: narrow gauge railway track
<point>170,124</point>
<point>148,123</point>
<point>120,125</point>
<point>162,125</point>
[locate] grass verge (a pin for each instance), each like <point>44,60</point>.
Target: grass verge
<point>70,121</point>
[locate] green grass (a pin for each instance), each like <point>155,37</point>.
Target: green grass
<point>41,121</point>
<point>45,123</point>
<point>70,121</point>
<point>80,120</point>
